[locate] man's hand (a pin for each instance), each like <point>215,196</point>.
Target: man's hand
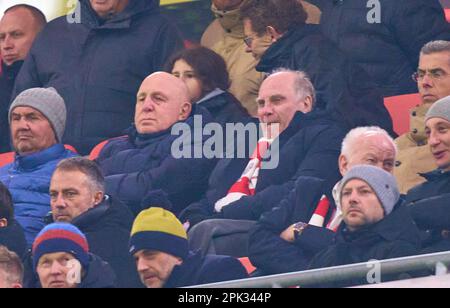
<point>288,234</point>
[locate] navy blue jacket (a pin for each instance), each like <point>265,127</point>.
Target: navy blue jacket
<point>395,236</point>
<point>137,164</point>
<point>97,66</point>
<point>273,255</point>
<point>107,228</point>
<point>28,180</point>
<point>225,108</point>
<point>388,50</point>
<point>429,204</point>
<point>343,88</point>
<point>310,146</point>
<point>13,238</point>
<point>197,270</point>
<point>7,79</point>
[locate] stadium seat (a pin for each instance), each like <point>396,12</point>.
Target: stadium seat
<point>7,158</point>
<point>399,108</point>
<point>447,14</point>
<point>97,149</point>
<point>248,265</point>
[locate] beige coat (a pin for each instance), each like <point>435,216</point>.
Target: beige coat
<point>226,37</point>
<point>414,155</point>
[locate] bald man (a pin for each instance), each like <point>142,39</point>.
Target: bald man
<point>19,27</point>
<point>141,167</point>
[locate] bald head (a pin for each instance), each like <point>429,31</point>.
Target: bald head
<point>18,29</point>
<point>162,101</point>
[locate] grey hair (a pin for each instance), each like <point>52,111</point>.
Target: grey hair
<point>435,47</point>
<point>303,85</point>
<point>87,167</point>
<point>351,140</point>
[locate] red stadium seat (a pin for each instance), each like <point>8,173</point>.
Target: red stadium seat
<point>399,108</point>
<point>97,150</point>
<point>248,265</point>
<point>447,14</point>
<point>99,147</point>
<point>7,158</point>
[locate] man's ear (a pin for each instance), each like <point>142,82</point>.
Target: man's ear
<point>343,164</point>
<point>185,111</point>
<point>273,34</point>
<point>307,104</point>
<point>3,223</point>
<point>98,197</point>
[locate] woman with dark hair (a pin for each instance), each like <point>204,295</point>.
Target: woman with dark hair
<point>206,76</point>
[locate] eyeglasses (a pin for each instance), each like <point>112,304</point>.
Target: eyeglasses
<point>433,74</point>
<point>248,41</point>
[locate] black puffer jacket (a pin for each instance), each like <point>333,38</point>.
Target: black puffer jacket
<point>395,236</point>
<point>429,204</point>
<point>107,228</point>
<point>97,66</point>
<point>388,50</point>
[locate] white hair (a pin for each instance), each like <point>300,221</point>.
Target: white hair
<point>303,85</point>
<point>352,138</point>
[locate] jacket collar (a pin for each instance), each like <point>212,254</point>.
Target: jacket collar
<point>435,175</point>
<point>10,72</point>
<point>217,92</point>
<point>93,215</point>
<point>185,274</point>
<point>120,21</point>
<point>281,51</point>
<point>143,140</point>
<point>396,226</point>
<point>33,161</point>
<point>230,21</point>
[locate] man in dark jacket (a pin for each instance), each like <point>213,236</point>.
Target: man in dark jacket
<point>309,145</point>
<point>18,28</point>
<point>38,119</point>
<point>77,195</point>
<point>304,223</point>
<point>159,245</point>
<point>372,229</point>
<point>154,156</point>
<point>97,59</point>
<point>61,260</point>
<point>343,88</point>
<point>384,38</point>
<point>11,233</point>
<point>429,202</point>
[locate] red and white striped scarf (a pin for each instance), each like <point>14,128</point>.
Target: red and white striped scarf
<point>321,212</point>
<point>246,184</point>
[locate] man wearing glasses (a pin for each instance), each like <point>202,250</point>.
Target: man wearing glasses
<point>433,80</point>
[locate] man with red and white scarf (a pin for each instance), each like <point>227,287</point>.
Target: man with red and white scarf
<point>287,238</point>
<point>241,190</point>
